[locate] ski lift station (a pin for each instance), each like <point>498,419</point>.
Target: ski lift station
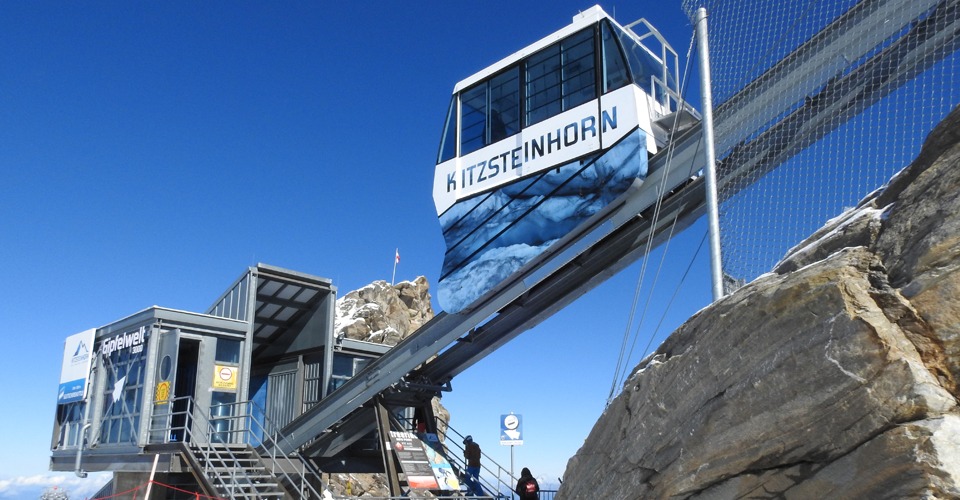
<point>263,352</point>
<point>550,165</point>
<point>558,166</point>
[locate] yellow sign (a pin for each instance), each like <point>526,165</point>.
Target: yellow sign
<point>225,377</point>
<point>162,394</point>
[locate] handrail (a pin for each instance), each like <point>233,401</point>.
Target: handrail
<point>498,473</point>
<point>239,412</point>
<point>671,65</point>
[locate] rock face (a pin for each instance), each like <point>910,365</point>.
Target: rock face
<point>385,314</point>
<point>835,376</point>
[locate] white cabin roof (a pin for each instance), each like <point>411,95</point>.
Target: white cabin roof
<point>580,21</point>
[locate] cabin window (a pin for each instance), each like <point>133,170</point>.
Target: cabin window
<point>615,74</point>
<point>543,84</point>
<point>645,67</point>
<point>555,79</point>
<point>448,143</point>
<point>504,105</point>
<point>473,118</point>
<point>490,111</point>
<point>560,77</point>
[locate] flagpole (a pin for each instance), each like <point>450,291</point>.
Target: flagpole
<point>396,259</point>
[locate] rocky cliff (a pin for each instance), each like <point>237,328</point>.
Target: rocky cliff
<point>835,376</point>
<point>385,314</point>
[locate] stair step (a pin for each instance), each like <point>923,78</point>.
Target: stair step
<point>243,471</point>
<point>251,486</point>
<point>231,463</point>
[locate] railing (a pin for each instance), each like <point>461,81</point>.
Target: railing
<point>504,480</point>
<point>235,425</point>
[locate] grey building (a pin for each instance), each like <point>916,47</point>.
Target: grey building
<point>188,397</point>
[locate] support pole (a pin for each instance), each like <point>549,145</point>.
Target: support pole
<point>706,97</point>
<point>512,479</point>
<point>153,474</point>
<point>389,464</point>
<point>88,400</point>
<point>396,260</point>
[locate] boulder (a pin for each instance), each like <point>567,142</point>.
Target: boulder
<point>832,377</point>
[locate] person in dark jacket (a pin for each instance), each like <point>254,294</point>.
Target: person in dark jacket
<point>471,455</point>
<point>527,487</point>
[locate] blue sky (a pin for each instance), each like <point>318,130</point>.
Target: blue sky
<point>152,151</point>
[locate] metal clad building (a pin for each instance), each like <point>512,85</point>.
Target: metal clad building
<point>161,378</point>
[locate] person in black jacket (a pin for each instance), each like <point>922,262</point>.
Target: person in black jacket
<point>471,455</point>
<point>527,487</point>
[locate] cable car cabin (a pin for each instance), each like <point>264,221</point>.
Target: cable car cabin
<point>539,142</point>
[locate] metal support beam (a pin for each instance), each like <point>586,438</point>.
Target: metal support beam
<point>710,155</point>
<point>389,464</point>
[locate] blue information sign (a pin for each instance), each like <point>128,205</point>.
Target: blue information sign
<point>511,430</point>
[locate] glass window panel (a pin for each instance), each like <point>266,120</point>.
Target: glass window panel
<point>336,383</point>
<point>579,77</point>
<point>543,84</point>
<point>114,435</point>
<point>504,105</point>
<point>561,77</point>
<point>448,141</point>
<point>473,119</point>
<point>615,73</point>
<point>121,418</point>
<point>644,67</point>
<point>342,365</point>
<point>359,364</point>
<point>125,431</point>
<point>228,351</point>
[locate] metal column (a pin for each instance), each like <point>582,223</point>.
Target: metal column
<point>713,216</point>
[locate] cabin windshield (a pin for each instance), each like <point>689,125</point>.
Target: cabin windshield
<point>649,73</point>
<point>615,71</point>
<point>448,143</point>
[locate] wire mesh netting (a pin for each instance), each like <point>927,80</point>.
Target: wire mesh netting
<point>818,103</point>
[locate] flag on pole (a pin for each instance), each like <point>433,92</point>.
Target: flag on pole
<point>396,260</point>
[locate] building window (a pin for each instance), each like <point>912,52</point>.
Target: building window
<point>228,351</point>
<point>69,423</point>
<point>312,381</point>
<point>123,393</point>
<point>345,367</point>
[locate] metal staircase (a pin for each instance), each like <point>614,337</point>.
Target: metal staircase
<point>235,471</point>
<point>227,454</point>
<point>494,478</point>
